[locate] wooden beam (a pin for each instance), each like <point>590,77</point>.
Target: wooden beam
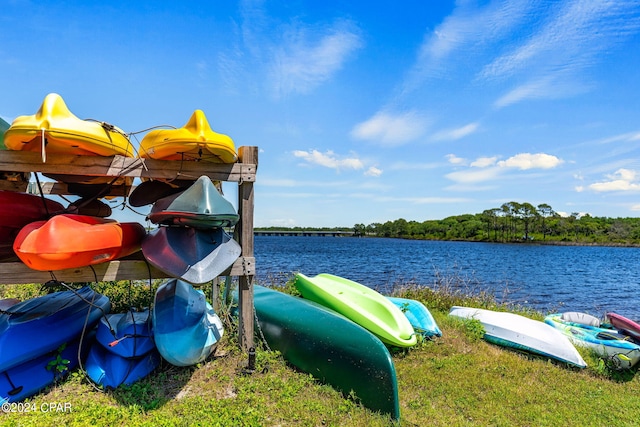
<point>244,230</point>
<point>18,273</point>
<point>25,161</point>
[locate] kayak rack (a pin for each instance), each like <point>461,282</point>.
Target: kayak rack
<point>126,169</point>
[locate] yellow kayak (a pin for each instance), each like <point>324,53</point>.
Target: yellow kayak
<point>194,141</point>
<point>64,133</point>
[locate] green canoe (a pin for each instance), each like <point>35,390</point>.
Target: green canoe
<point>330,347</point>
<point>361,304</point>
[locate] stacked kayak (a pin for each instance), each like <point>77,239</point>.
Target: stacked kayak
<point>17,210</point>
<point>197,256</point>
<point>330,347</point>
<point>522,333</point>
<point>54,129</point>
<point>124,351</point>
<point>195,141</point>
<point>30,377</point>
<point>70,241</point>
<point>418,316</point>
<point>199,206</point>
<point>612,346</point>
<point>191,243</point>
<point>185,327</point>
<point>361,304</point>
<point>34,332</point>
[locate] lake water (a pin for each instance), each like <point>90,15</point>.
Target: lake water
<point>548,278</point>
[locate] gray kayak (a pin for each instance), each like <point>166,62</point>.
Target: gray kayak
<point>200,206</point>
<point>197,256</point>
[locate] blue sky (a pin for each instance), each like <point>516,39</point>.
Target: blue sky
<point>397,109</point>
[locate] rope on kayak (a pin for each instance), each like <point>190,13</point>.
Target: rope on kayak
<point>44,144</point>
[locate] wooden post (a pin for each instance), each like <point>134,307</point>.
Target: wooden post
<point>247,155</point>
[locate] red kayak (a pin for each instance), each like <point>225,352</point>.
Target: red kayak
<point>70,241</point>
<point>17,210</point>
<point>624,325</point>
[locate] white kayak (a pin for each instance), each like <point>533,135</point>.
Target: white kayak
<point>522,333</point>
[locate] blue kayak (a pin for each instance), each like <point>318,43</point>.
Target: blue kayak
<point>612,346</point>
<point>185,327</point>
<point>111,370</point>
<point>25,380</point>
<point>418,315</point>
<point>41,325</point>
<point>126,334</point>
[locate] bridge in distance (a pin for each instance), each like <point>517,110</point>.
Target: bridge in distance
<point>303,233</point>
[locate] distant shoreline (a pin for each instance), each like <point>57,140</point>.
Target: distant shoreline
<point>342,233</point>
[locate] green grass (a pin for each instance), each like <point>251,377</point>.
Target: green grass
<point>455,380</point>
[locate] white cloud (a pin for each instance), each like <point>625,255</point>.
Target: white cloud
<point>524,161</point>
<point>457,133</point>
<point>635,207</point>
<point>455,160</point>
<point>329,160</point>
<point>467,29</point>
<point>306,59</point>
<point>533,89</point>
<point>488,168</point>
<point>373,171</point>
<point>572,37</point>
<point>474,175</point>
<point>545,47</point>
<point>294,56</point>
<point>620,180</point>
<point>483,162</point>
<point>391,129</point>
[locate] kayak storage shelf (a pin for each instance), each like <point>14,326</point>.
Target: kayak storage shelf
<point>134,267</point>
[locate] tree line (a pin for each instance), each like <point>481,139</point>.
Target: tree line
<point>513,222</point>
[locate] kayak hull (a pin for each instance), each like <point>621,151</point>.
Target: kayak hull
<point>132,333</point>
<point>522,333</point>
<point>418,315</point>
<point>17,210</point>
<point>197,256</point>
<point>64,133</point>
<point>34,375</point>
<point>195,141</point>
<point>624,325</point>
<point>40,325</point>
<point>110,370</point>
<point>616,348</point>
<point>361,304</point>
<point>330,347</point>
<point>71,241</point>
<point>185,327</point>
<point>199,206</point>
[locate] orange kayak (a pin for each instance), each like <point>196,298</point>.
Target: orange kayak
<point>19,209</point>
<point>70,241</point>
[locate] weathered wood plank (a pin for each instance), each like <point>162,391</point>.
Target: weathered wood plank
<point>18,273</point>
<point>24,161</point>
<point>245,233</point>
